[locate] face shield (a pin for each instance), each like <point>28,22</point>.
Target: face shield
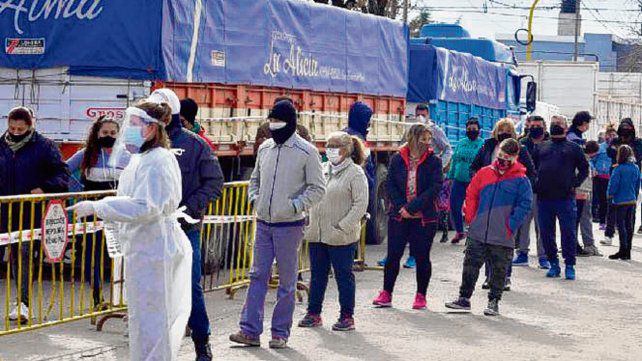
<point>132,133</point>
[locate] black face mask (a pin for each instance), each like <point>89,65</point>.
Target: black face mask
<point>472,134</point>
<point>18,138</point>
<point>503,136</point>
<point>106,142</point>
<point>557,130</point>
<point>626,133</point>
<point>536,132</point>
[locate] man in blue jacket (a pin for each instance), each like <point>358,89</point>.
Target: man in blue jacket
<point>202,181</point>
<point>29,164</point>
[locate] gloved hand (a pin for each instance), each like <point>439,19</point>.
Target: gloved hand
<point>83,209</point>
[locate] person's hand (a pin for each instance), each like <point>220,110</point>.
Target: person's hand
<point>37,191</point>
<point>83,209</point>
<point>404,213</point>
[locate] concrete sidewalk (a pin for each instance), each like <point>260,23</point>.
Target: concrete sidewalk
<point>597,317</point>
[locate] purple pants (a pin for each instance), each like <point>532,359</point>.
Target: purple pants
<point>272,242</point>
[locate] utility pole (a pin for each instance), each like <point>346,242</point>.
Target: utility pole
<point>405,11</point>
<point>577,29</point>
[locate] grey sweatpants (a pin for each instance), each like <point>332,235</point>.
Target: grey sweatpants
<point>586,224</point>
<point>524,236</point>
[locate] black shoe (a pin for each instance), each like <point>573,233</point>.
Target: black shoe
<point>444,237</point>
<point>203,351</point>
<point>616,256</point>
<point>581,252</point>
<point>486,285</point>
<point>493,308</point>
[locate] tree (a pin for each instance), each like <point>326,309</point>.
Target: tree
<point>420,20</point>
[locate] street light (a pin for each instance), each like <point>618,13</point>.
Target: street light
<point>529,47</point>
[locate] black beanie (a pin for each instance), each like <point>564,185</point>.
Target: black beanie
<point>285,112</point>
<point>189,109</point>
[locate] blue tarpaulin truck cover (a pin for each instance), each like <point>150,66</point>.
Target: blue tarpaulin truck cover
<point>281,43</point>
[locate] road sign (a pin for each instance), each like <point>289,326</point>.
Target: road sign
<point>54,231</point>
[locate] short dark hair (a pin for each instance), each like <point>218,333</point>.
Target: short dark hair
<point>21,113</point>
<point>509,146</point>
<point>581,118</point>
<point>421,107</point>
<point>536,118</point>
<point>591,147</point>
<point>473,121</point>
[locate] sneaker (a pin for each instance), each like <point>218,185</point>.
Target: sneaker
<point>382,262</point>
<point>458,238</point>
<point>493,308</point>
<point>278,342</point>
<point>311,320</point>
<point>593,250</point>
<point>410,263</point>
<point>570,272</point>
<point>507,285</point>
<point>521,260</point>
<point>24,313</point>
<point>345,323</point>
<point>607,241</point>
<point>383,300</point>
<point>459,304</point>
<point>420,302</point>
<point>544,263</point>
<point>486,285</point>
<point>555,270</point>
<point>602,227</point>
<point>244,339</point>
<point>617,255</point>
<point>582,252</point>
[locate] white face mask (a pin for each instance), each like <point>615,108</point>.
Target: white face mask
<point>333,155</point>
<point>277,125</point>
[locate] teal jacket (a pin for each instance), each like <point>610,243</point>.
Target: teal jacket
<point>464,155</point>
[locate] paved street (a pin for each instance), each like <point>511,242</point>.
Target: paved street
<point>597,317</point>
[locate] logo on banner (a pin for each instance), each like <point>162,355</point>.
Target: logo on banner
<point>114,113</point>
<point>49,9</point>
<point>14,46</point>
<point>54,231</point>
<point>218,58</point>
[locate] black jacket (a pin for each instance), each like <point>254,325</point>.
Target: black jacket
<point>485,155</point>
<point>528,143</point>
<point>636,145</point>
<point>561,167</point>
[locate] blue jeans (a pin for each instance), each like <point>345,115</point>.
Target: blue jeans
<point>566,212</point>
<point>198,321</point>
<point>341,258</point>
<point>457,197</point>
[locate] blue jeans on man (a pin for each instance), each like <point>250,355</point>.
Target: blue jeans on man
<point>457,198</point>
<point>566,212</point>
<point>198,321</point>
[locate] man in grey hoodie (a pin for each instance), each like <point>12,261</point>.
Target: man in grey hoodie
<point>287,181</point>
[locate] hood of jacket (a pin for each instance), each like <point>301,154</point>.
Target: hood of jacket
<point>359,118</point>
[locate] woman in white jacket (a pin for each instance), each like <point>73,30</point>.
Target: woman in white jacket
<point>335,228</point>
<point>157,253</point>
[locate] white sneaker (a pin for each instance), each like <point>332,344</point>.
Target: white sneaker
<point>607,241</point>
<point>24,313</point>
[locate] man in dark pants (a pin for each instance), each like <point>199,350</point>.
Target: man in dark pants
<point>202,181</point>
<point>561,167</point>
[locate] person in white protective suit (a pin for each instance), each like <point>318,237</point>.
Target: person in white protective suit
<point>157,253</point>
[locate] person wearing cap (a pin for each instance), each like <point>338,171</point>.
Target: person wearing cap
<point>189,110</point>
<point>286,182</point>
<point>156,252</point>
<point>29,164</point>
<point>202,183</point>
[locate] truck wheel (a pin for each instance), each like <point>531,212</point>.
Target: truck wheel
<point>381,209</point>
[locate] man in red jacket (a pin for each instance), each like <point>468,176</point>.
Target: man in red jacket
<point>498,200</point>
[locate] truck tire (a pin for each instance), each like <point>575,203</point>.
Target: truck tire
<point>380,217</point>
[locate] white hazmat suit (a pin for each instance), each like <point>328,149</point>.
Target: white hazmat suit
<point>158,255</point>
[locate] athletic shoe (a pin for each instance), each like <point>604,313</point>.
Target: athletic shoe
<point>458,238</point>
<point>607,241</point>
<point>570,272</point>
<point>420,302</point>
<point>593,251</point>
<point>507,285</point>
<point>410,263</point>
<point>486,285</point>
<point>555,270</point>
<point>521,260</point>
<point>617,255</point>
<point>311,320</point>
<point>544,263</point>
<point>461,303</point>
<point>24,313</point>
<point>581,252</point>
<point>278,342</point>
<point>244,339</point>
<point>383,300</point>
<point>493,308</point>
<point>345,323</point>
<point>382,262</point>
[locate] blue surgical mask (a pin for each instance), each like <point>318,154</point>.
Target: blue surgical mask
<point>133,136</point>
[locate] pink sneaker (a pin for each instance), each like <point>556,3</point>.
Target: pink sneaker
<point>383,300</point>
<point>420,302</point>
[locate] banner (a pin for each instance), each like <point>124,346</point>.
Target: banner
<point>284,43</point>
